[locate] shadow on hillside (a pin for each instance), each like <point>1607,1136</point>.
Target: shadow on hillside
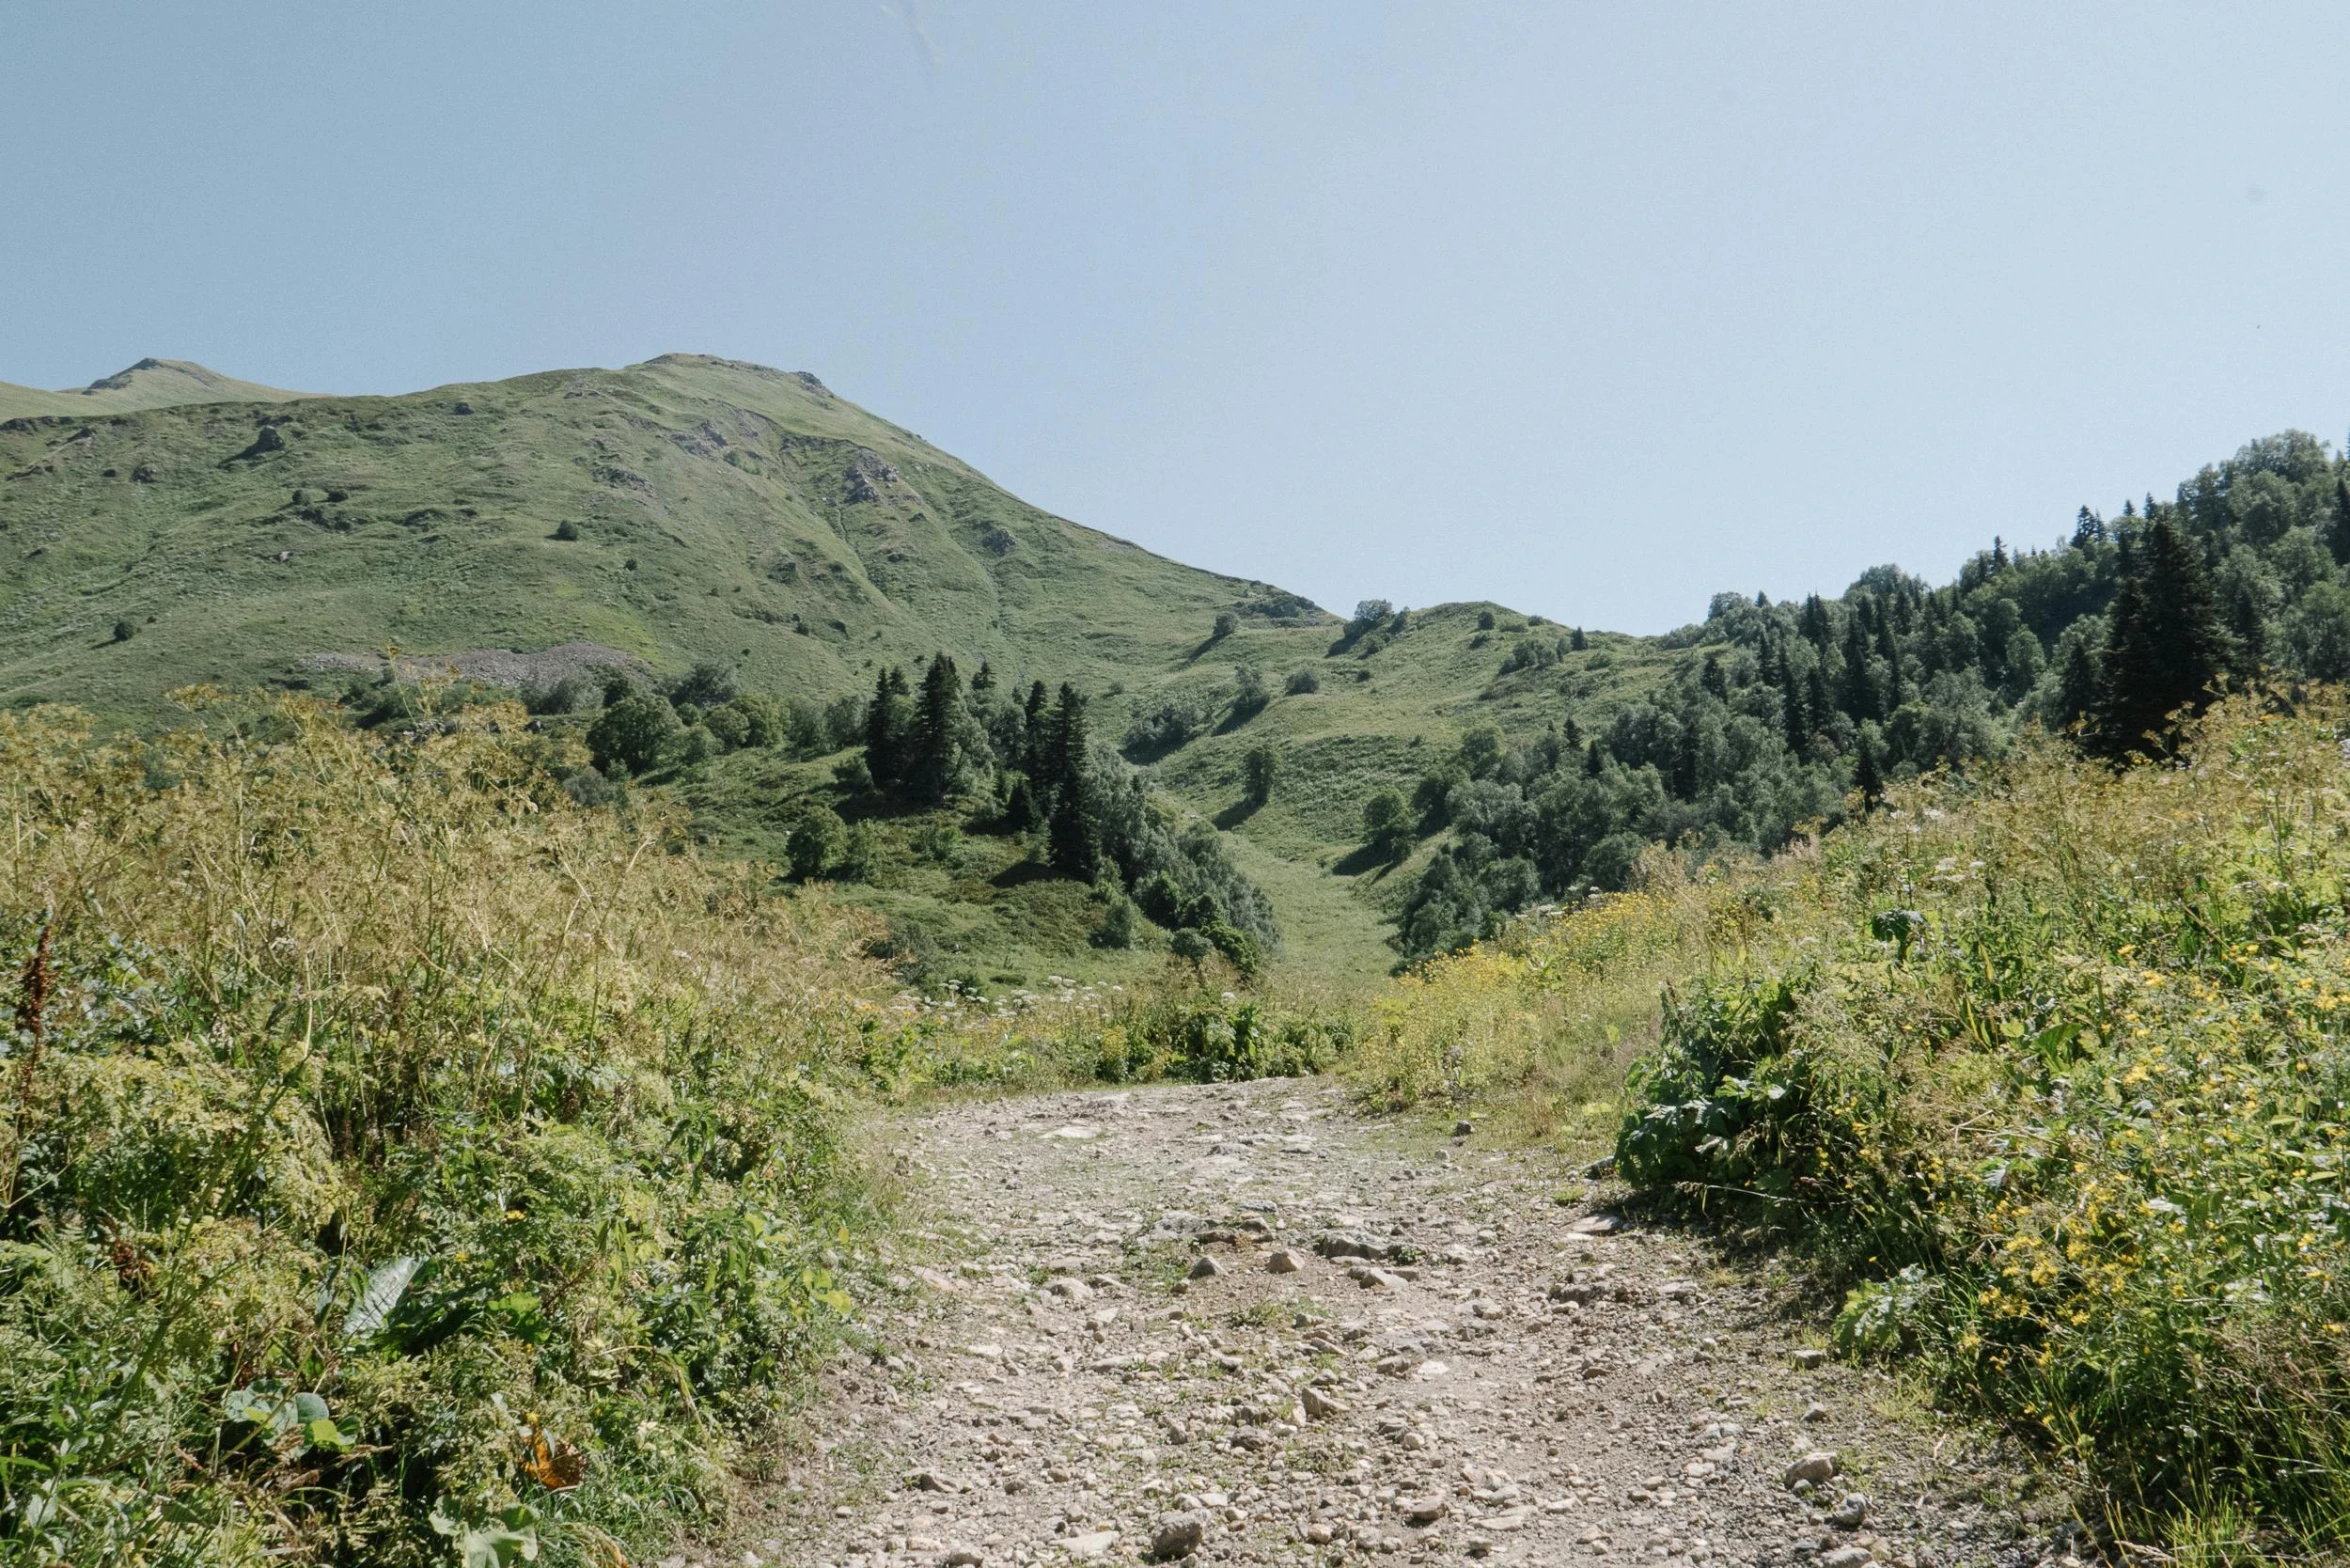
<point>1362,859</point>
<point>1020,873</point>
<point>1238,812</point>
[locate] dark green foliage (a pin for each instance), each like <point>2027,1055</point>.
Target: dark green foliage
<point>818,837</point>
<point>706,685</point>
<point>1302,682</point>
<point>935,763</point>
<point>1070,828</point>
<point>2166,645</point>
<point>888,721</point>
<point>1866,776</point>
<point>635,730</point>
<point>1259,769</point>
<point>1249,693</point>
<point>124,631</point>
<point>1226,624</point>
<point>1387,825</point>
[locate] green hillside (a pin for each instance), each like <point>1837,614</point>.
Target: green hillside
<point>721,511</point>
<point>151,383</point>
<point>696,512</point>
<point>685,510</point>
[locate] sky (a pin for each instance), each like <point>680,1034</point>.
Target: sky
<point>1591,310</point>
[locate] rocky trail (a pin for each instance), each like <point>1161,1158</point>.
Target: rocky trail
<point>1239,1324</point>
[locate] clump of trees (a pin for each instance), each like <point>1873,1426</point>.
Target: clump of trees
<point>1029,764</point>
<point>1781,714</point>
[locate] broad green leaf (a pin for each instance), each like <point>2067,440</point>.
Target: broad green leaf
<point>379,1296</point>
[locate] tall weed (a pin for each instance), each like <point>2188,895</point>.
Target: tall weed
<point>397,1162</point>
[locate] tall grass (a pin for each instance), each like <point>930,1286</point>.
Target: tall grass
<point>2063,1092</point>
<point>396,1162</point>
<point>1540,1026</point>
<point>2050,1069</point>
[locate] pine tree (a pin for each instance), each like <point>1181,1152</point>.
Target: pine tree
<point>1816,702</point>
<point>2250,629</point>
<point>1795,719</point>
<point>2166,644</point>
<point>1035,728</point>
<point>885,729</point>
<point>933,761</point>
<point>2338,527</point>
<point>2077,692</point>
<point>1070,831</point>
<point>1814,623</point>
<point>1865,776</point>
<point>1896,692</point>
<point>1860,692</point>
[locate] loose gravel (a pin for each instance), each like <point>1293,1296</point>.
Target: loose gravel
<point>1240,1324</point>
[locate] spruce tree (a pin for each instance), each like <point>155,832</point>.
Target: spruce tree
<point>2338,526</point>
<point>1865,776</point>
<point>1070,831</point>
<point>1796,720</point>
<point>1816,702</point>
<point>1860,692</point>
<point>2166,644</point>
<point>1814,623</point>
<point>1896,692</point>
<point>1036,729</point>
<point>2250,629</point>
<point>933,760</point>
<point>2077,692</point>
<point>885,729</point>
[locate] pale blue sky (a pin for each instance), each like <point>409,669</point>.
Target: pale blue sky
<point>1592,310</point>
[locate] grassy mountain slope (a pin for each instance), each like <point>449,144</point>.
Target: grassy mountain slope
<point>151,383</point>
<point>722,511</point>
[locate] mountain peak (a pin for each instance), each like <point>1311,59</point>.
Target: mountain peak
<point>150,383</point>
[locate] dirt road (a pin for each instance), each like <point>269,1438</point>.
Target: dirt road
<point>1240,1324</point>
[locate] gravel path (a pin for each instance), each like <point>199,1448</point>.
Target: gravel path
<point>1237,1323</point>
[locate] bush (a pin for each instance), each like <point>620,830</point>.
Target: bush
<point>1387,825</point>
<point>634,731</point>
<point>816,840</point>
<point>1260,769</point>
<point>2058,1091</point>
<point>389,1180</point>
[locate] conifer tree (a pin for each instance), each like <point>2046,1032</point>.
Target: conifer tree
<point>885,729</point>
<point>1036,729</point>
<point>1796,721</point>
<point>1814,623</point>
<point>2250,629</point>
<point>1860,692</point>
<point>1896,691</point>
<point>1817,705</point>
<point>2077,689</point>
<point>1865,776</point>
<point>1070,828</point>
<point>2338,526</point>
<point>2166,644</point>
<point>933,760</point>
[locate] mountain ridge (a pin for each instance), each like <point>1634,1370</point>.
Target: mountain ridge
<point>150,383</point>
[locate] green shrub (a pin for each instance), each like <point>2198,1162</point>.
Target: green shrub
<point>2059,1093</point>
<point>397,1155</point>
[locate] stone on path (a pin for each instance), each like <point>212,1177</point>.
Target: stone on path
<point>1178,1535</point>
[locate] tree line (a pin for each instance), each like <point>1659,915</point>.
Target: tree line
<point>1783,714</point>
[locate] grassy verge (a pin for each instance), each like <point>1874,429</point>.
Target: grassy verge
<point>400,1163</point>
<point>2048,1071</point>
